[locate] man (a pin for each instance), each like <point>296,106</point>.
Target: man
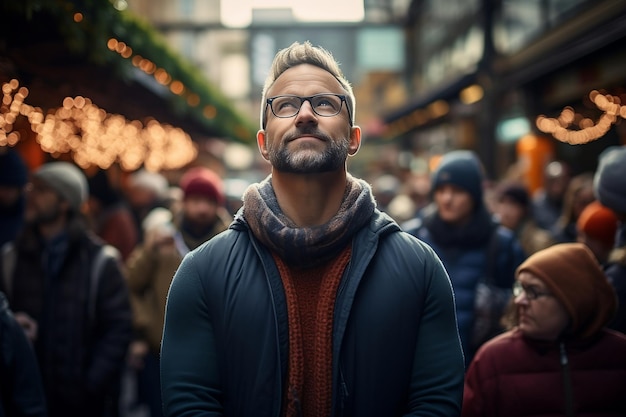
<point>548,202</point>
<point>313,303</point>
<point>69,297</point>
<point>609,185</point>
<point>479,254</point>
<point>153,264</point>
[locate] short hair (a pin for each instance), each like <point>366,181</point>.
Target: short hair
<point>305,53</point>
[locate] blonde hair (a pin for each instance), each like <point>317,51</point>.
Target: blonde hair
<point>305,53</point>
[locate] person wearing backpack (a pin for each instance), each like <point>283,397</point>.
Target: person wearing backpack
<point>69,295</point>
<point>479,254</point>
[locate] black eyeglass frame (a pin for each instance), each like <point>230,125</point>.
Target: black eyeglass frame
<point>342,97</point>
<point>530,292</point>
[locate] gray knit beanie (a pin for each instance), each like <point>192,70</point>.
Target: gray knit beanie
<point>67,180</point>
<point>609,182</point>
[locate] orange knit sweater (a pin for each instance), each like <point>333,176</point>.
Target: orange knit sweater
<point>311,297</point>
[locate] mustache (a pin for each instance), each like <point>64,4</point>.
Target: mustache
<point>306,131</point>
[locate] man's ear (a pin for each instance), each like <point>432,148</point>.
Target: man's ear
<point>260,140</point>
<point>355,140</point>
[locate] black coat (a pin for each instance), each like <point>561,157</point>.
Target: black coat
<point>21,391</point>
<point>83,333</point>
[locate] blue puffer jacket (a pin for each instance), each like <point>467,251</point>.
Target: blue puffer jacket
<point>468,263</point>
<point>396,350</point>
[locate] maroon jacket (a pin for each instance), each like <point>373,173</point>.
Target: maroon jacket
<point>515,376</point>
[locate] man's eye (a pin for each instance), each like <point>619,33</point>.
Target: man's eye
<point>286,104</point>
<point>325,102</point>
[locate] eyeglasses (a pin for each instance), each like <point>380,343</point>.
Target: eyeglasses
<point>325,105</point>
<point>531,292</point>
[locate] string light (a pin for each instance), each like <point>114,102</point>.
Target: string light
<point>586,130</point>
<point>93,136</point>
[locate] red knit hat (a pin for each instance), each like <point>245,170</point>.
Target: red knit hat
<point>598,222</point>
<point>203,182</point>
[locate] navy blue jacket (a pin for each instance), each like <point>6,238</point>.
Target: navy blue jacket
<point>468,264</point>
<point>396,350</point>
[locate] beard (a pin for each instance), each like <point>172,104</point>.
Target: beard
<point>45,216</point>
<point>307,160</point>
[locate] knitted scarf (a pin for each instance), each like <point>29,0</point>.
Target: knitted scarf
<point>306,246</point>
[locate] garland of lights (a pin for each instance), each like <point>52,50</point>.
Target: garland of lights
<point>93,136</point>
<point>588,130</point>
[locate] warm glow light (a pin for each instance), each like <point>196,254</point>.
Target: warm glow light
<point>471,94</point>
<point>93,136</point>
<point>588,131</point>
<point>78,17</point>
<point>177,87</point>
<point>210,112</point>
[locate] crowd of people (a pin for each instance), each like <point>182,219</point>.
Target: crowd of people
<point>321,295</point>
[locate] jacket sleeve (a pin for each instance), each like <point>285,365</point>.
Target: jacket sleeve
<point>19,372</point>
<point>189,371</point>
<point>438,367</point>
<point>112,330</point>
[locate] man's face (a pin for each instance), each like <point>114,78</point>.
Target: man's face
<point>200,211</point>
<point>43,204</point>
<point>307,142</point>
<point>454,204</point>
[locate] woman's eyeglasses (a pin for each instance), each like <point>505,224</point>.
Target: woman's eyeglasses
<point>531,292</point>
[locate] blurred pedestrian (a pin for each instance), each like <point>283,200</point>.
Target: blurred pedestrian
<point>144,191</point>
<point>21,390</point>
<point>548,201</point>
<point>513,210</point>
<point>168,238</point>
<point>110,216</point>
<point>313,302</point>
<point>610,189</point>
<point>558,358</point>
<point>578,195</point>
<point>69,295</point>
<point>479,254</point>
<point>597,226</point>
<point>13,178</point>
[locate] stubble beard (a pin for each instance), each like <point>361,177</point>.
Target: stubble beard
<point>43,217</point>
<point>308,160</point>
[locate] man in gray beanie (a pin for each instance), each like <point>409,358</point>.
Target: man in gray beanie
<point>471,245</point>
<point>609,185</point>
<point>69,294</point>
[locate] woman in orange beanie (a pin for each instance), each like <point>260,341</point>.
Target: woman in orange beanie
<point>558,358</point>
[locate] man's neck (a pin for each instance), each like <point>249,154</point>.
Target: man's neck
<point>309,200</point>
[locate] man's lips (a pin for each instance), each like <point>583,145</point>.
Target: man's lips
<point>306,136</point>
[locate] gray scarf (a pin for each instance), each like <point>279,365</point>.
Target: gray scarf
<point>306,246</point>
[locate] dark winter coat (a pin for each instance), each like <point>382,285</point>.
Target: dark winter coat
<point>396,350</point>
<point>615,271</point>
<point>21,390</point>
<point>83,332</point>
